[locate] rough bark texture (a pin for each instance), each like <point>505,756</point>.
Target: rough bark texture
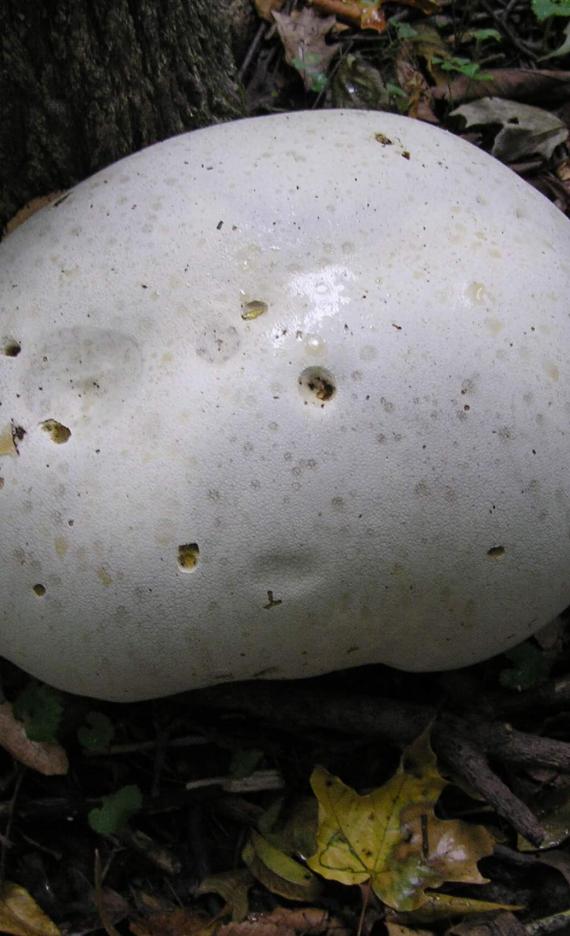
<point>85,82</point>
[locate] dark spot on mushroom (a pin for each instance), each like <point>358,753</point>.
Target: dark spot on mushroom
<point>496,552</point>
<point>11,348</point>
<point>40,590</point>
<point>188,557</point>
<point>57,432</point>
<point>317,385</point>
<point>272,602</point>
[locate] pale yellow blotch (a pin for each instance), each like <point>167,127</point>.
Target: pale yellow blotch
<point>553,371</point>
<point>61,546</point>
<point>494,325</point>
<point>476,292</point>
<point>104,577</point>
<point>166,358</point>
<point>7,445</point>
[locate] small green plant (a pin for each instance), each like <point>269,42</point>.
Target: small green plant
<point>403,30</point>
<point>463,66</point>
<point>544,9</point>
<point>41,710</point>
<point>115,810</point>
<point>97,733</point>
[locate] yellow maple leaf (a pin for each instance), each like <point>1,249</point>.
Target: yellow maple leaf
<point>392,837</point>
<point>21,916</point>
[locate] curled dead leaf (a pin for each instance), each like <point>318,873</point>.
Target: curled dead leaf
<point>45,757</point>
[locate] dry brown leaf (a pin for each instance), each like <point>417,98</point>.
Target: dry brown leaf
<point>303,36</point>
<point>310,921</point>
<point>416,87</point>
<point>47,758</point>
<point>266,7</point>
<point>21,916</point>
<point>364,15</point>
<point>517,84</point>
<point>503,925</point>
<point>180,922</point>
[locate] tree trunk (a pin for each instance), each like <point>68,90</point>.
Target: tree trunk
<point>85,82</point>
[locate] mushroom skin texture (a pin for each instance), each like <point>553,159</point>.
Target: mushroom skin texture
<point>279,397</point>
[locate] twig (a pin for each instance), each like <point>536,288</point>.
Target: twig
<point>463,745</point>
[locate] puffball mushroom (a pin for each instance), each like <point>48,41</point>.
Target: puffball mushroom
<point>278,397</point>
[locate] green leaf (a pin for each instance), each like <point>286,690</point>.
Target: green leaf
<point>245,762</point>
<point>97,733</point>
<point>403,30</point>
<point>481,35</point>
<point>41,710</point>
<point>461,65</point>
<point>115,810</point>
<point>278,872</point>
<point>544,9</point>
<point>529,668</point>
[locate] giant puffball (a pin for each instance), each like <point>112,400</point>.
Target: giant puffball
<point>278,397</point>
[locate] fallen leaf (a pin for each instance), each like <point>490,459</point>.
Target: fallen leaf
<point>356,83</point>
<point>444,906</point>
<point>278,872</point>
<point>361,13</point>
<point>525,131</point>
<point>21,916</point>
<point>180,922</point>
<point>308,921</point>
<point>398,929</point>
<point>47,758</point>
<point>516,84</point>
<point>303,36</point>
<point>503,925</point>
<point>291,828</point>
<point>392,837</point>
<point>562,50</point>
<point>554,817</point>
<point>233,888</point>
<point>266,7</point>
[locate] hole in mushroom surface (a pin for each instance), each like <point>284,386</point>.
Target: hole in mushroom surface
<point>40,590</point>
<point>188,557</point>
<point>11,348</point>
<point>57,432</point>
<point>317,385</point>
<point>253,309</point>
<point>496,552</point>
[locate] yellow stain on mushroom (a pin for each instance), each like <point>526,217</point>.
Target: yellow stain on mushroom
<point>104,577</point>
<point>494,325</point>
<point>553,371</point>
<point>61,546</point>
<point>7,445</point>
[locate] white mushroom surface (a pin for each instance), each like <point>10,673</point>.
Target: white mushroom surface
<point>279,397</point>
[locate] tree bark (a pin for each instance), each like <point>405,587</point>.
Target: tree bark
<point>85,82</point>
